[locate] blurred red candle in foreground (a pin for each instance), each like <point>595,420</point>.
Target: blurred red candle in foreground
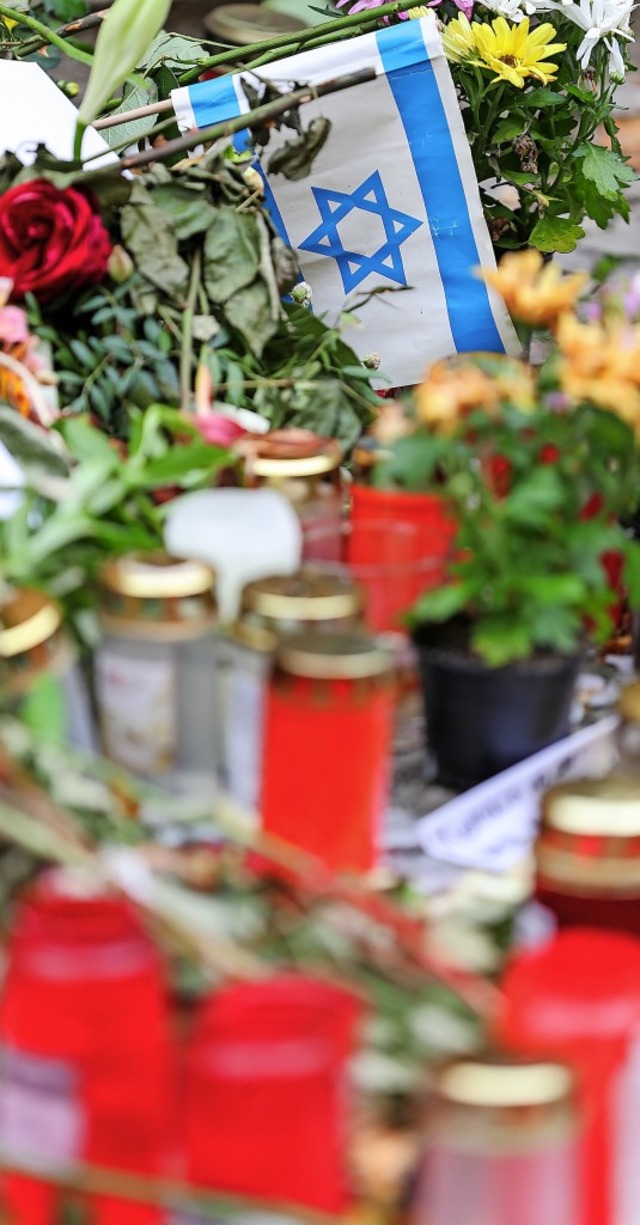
<point>266,1091</point>
<point>85,1068</point>
<point>326,749</point>
<point>578,998</point>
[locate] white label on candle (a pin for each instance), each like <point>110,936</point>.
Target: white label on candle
<point>492,826</point>
<point>244,735</point>
<point>41,1120</point>
<point>137,699</point>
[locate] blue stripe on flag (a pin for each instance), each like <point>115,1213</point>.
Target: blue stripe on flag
<point>216,100</point>
<point>415,90</point>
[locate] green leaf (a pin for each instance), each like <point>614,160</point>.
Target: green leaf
<point>130,133</point>
<point>84,440</point>
<point>542,97</point>
<point>500,640</point>
<point>535,500</point>
<point>440,604</point>
<point>606,169</point>
<point>506,129</point>
<point>189,211</point>
<point>148,234</point>
<point>179,462</point>
<point>554,588</point>
<point>250,312</point>
<point>43,709</point>
<point>632,571</point>
<point>231,253</point>
<point>555,234</point>
<point>177,49</point>
<point>31,446</point>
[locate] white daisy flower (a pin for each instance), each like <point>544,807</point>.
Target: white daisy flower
<point>602,21</point>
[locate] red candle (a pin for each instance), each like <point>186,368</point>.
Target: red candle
<point>265,1106</point>
<point>326,752</point>
<point>85,1047</point>
<point>588,853</point>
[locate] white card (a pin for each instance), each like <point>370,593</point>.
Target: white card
<point>38,113</point>
<point>494,825</point>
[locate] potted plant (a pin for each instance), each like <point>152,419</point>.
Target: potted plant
<point>537,468</point>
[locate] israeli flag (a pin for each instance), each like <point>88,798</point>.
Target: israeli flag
<point>392,201</point>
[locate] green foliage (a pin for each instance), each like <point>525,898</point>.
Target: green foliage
<point>535,500</point>
<point>206,289</point>
<point>540,141</point>
<point>106,501</point>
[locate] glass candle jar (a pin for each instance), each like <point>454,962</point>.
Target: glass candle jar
<point>272,609</point>
<point>304,467</point>
<point>327,745</point>
<point>588,853</point>
<point>502,1146</point>
<point>85,1060</point>
<point>36,650</point>
<point>156,667</point>
<point>266,1088</point>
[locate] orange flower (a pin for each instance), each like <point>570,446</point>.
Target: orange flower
<point>534,292</point>
<point>600,363</point>
<point>452,389</point>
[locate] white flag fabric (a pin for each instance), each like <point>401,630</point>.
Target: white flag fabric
<point>392,200</point>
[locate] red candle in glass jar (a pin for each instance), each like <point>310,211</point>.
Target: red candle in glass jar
<point>85,1047</point>
<point>265,1101</point>
<point>588,853</point>
<point>326,751</point>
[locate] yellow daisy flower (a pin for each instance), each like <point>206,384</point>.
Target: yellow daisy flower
<point>514,53</point>
<point>458,41</point>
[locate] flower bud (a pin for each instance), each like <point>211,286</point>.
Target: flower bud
<point>372,361</point>
<point>254,180</point>
<point>120,266</point>
<point>302,293</point>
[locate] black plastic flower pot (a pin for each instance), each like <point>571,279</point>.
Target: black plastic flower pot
<point>480,720</point>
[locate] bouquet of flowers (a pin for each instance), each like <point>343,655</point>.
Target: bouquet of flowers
<point>536,81</point>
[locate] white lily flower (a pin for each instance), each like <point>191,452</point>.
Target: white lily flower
<point>601,20</point>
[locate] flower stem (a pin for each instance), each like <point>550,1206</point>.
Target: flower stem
<point>186,344</point>
<point>48,36</point>
<point>289,44</point>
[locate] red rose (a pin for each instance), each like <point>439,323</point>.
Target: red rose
<point>51,241</point>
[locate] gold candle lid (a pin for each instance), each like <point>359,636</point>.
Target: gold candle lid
<point>333,657</point>
<point>31,636</point>
<point>500,1103</point>
<point>153,595</point>
<point>284,604</point>
<point>501,1082</point>
<point>244,24</point>
<point>292,453</point>
<point>589,840</point>
<point>309,595</point>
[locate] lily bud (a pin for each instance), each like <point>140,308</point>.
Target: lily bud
<point>127,31</point>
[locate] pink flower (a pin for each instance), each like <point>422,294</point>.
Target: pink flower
<point>14,329</point>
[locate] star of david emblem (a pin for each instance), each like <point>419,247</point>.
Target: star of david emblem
<point>354,266</point>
